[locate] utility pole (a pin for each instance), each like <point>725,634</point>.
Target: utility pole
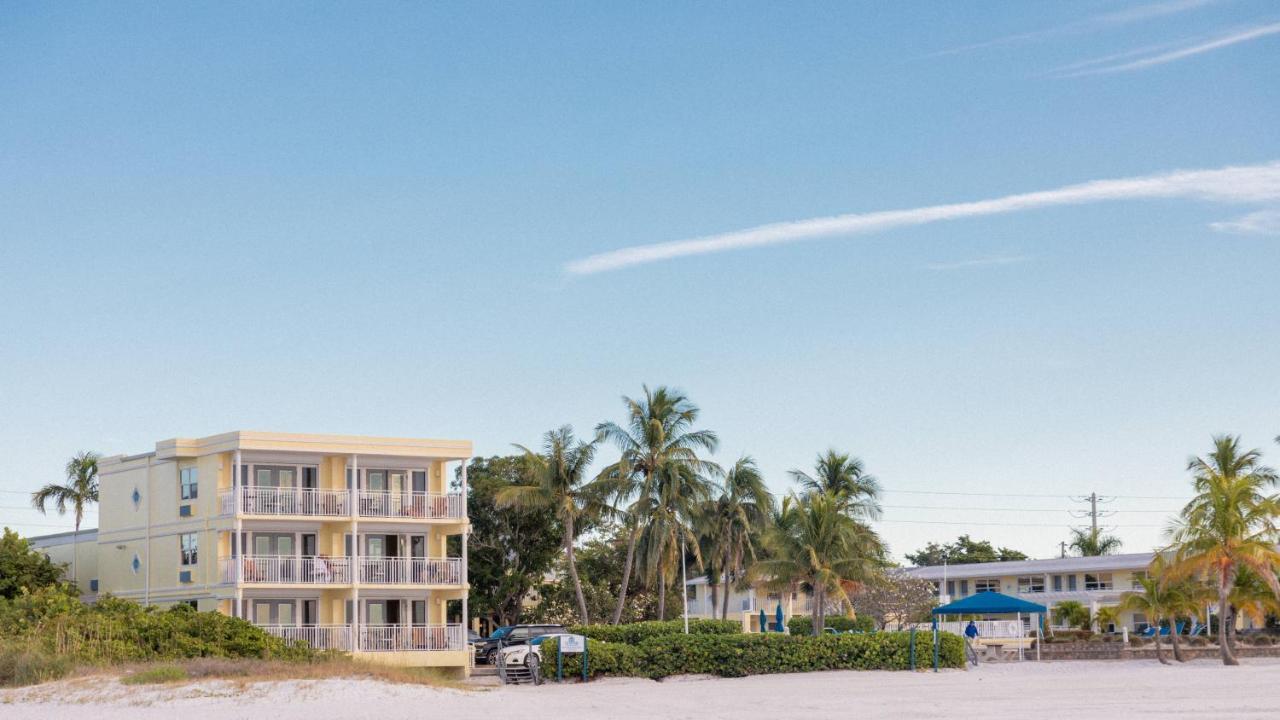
<point>1063,544</point>
<point>1093,513</point>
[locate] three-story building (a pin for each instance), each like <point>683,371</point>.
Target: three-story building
<point>350,543</point>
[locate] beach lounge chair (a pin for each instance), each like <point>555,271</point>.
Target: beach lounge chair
<point>1198,629</point>
<point>1150,631</point>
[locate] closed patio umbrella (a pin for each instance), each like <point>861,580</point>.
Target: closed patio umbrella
<point>764,622</point>
<point>778,616</point>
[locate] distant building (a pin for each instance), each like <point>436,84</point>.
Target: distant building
<point>349,543</point>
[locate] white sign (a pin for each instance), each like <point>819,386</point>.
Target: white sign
<point>573,644</point>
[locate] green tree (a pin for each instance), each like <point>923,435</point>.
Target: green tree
<point>1072,613</point>
<point>1090,542</point>
<point>658,455</point>
<point>510,549</point>
<point>1154,600</point>
<point>733,521</point>
<point>964,550</point>
<point>1229,525</point>
<point>599,557</point>
<point>844,476</point>
<point>556,479</point>
<point>815,543</point>
<point>79,491</point>
<point>22,568</point>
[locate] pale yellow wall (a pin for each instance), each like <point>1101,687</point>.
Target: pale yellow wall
<point>79,558</point>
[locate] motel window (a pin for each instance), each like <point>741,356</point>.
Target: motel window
<point>1137,577</point>
<point>964,588</point>
<point>1098,581</point>
<point>1140,622</point>
<point>1071,583</point>
<point>951,587</point>
<point>1031,584</point>
<point>190,483</point>
<point>987,585</point>
<point>1057,583</point>
<point>189,548</point>
<point>691,592</point>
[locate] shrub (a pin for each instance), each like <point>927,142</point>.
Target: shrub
<point>156,675</point>
<point>740,655</point>
<point>803,624</point>
<point>634,633</point>
<point>21,665</point>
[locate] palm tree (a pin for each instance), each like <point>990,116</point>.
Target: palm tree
<point>1091,542</point>
<point>1228,526</point>
<point>556,478</point>
<point>735,519</point>
<point>658,446</point>
<point>1251,597</point>
<point>672,511</point>
<point>844,475</point>
<point>1154,602</point>
<point>817,544</point>
<point>79,491</point>
<point>1072,613</point>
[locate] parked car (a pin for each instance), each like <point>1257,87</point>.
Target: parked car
<point>508,635</point>
<point>519,654</point>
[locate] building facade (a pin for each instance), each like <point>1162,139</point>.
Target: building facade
<point>1094,582</point>
<point>349,543</point>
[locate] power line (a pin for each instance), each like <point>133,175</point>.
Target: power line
<point>997,524</point>
<point>1011,509</point>
<point>1030,495</point>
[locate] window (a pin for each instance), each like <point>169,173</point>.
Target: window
<point>1137,577</point>
<point>691,592</point>
<point>1140,622</point>
<point>987,585</point>
<point>1031,584</point>
<point>951,587</point>
<point>1057,583</point>
<point>189,548</point>
<point>964,588</point>
<point>1071,583</point>
<point>1099,581</point>
<point>190,484</point>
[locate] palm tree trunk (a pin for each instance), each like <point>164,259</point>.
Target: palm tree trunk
<point>724,613</point>
<point>1173,638</point>
<point>1223,589</point>
<point>662,594</point>
<point>1159,650</point>
<point>573,571</point>
<point>816,611</point>
<point>626,573</point>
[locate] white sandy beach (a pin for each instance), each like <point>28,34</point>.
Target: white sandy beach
<point>1202,689</point>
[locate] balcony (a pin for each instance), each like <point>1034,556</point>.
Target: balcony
<point>409,505</point>
<point>306,570</point>
<point>310,502</point>
<point>286,569</point>
<point>410,571</point>
<point>374,638</point>
<point>288,501</point>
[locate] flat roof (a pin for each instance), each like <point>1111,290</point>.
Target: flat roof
<point>63,538</point>
<point>302,442</point>
<point>1102,563</point>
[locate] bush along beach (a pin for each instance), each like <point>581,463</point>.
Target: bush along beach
<point>633,633</point>
<point>739,655</point>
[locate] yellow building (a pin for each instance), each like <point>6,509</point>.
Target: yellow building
<point>349,543</point>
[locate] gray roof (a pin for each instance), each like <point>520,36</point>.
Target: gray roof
<point>63,538</point>
<point>1102,563</point>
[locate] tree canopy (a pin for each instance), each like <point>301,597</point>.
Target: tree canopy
<point>21,567</point>
<point>964,550</point>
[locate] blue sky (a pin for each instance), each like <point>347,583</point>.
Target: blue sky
<point>350,218</point>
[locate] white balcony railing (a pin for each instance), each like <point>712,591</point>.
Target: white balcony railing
<point>298,569</point>
<point>320,637</point>
<point>337,503</point>
<point>288,501</point>
<point>418,505</point>
<point>410,571</point>
<point>388,638</point>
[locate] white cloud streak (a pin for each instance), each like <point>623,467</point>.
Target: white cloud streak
<point>1094,23</point>
<point>1199,48</point>
<point>1262,222</point>
<point>1237,184</point>
<point>978,262</point>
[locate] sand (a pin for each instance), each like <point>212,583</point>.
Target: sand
<point>1201,689</point>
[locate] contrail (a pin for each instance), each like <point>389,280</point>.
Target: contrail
<point>1234,38</point>
<point>1237,184</point>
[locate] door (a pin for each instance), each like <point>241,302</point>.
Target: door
<point>418,555</point>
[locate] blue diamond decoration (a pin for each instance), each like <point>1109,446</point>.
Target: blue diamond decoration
<point>137,496</point>
<point>137,562</point>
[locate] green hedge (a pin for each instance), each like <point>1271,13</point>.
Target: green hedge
<point>634,633</point>
<point>803,624</point>
<point>741,655</point>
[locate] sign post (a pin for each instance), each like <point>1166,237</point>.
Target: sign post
<point>571,644</point>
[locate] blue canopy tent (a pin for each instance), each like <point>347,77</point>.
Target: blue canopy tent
<point>994,603</point>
